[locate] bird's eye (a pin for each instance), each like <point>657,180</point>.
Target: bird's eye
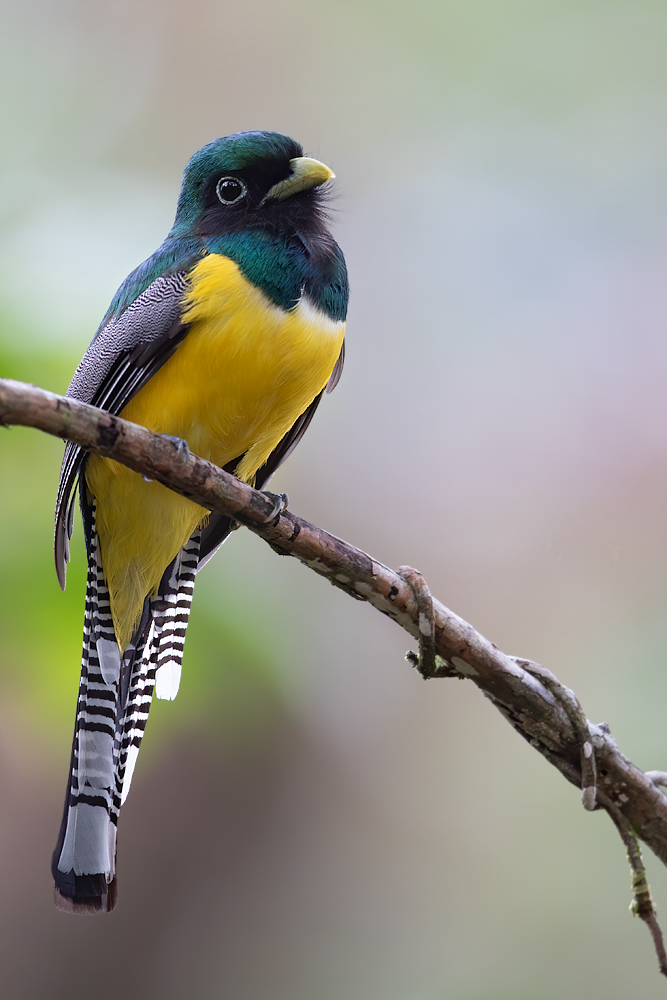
<point>230,190</point>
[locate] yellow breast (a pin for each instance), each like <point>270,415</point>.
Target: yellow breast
<point>244,373</point>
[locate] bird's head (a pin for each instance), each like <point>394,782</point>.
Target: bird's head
<point>250,180</point>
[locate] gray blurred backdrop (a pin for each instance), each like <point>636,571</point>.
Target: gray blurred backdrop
<point>310,820</point>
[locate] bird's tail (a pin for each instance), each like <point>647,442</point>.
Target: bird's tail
<point>115,694</point>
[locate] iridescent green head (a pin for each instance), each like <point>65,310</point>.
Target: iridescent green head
<point>239,182</point>
<point>253,197</point>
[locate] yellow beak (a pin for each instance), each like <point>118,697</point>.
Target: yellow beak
<point>306,173</point>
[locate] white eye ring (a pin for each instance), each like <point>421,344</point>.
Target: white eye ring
<point>230,201</point>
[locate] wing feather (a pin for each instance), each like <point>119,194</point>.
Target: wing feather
<point>125,353</point>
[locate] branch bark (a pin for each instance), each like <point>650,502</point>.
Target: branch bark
<point>533,701</point>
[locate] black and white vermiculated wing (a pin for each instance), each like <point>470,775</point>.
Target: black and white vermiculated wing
<point>124,354</point>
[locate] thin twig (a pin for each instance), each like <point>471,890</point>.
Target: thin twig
<point>642,903</point>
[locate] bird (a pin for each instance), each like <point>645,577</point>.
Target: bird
<point>225,340</point>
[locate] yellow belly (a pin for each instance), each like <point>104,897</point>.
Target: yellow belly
<point>243,374</point>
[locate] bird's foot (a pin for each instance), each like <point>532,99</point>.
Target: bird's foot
<point>182,450</point>
<point>280,503</point>
<point>182,446</point>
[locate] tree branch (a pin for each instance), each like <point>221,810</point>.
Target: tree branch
<point>534,702</point>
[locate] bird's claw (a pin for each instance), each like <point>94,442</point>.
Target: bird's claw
<point>280,503</point>
<point>182,446</point>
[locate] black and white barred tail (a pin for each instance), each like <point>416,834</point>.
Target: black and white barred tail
<point>115,695</point>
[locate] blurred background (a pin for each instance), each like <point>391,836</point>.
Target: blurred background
<point>310,820</point>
